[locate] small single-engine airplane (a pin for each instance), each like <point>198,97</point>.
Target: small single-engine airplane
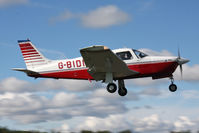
<point>101,63</point>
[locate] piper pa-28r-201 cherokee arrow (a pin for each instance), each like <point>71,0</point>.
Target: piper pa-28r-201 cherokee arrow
<point>101,63</point>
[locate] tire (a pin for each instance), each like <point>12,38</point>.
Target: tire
<point>122,91</point>
<point>111,87</point>
<point>172,87</point>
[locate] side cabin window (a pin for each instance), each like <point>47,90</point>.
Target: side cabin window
<point>124,55</point>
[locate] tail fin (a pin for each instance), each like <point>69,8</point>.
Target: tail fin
<point>32,57</point>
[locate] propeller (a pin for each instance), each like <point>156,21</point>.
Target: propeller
<point>179,58</point>
<point>181,61</point>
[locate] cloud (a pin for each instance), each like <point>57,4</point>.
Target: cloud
<point>102,17</point>
<point>190,73</point>
<point>148,124</point>
<point>13,84</point>
<point>6,3</point>
<point>112,123</point>
<point>146,5</point>
<point>183,123</point>
<point>151,92</point>
<point>66,15</point>
<point>190,94</point>
<point>53,100</point>
<point>151,124</point>
<point>156,53</point>
<point>56,54</point>
<point>33,108</point>
<point>65,128</point>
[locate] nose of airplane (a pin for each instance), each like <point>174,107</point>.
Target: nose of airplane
<point>182,61</point>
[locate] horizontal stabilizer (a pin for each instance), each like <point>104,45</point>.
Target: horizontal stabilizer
<point>28,72</point>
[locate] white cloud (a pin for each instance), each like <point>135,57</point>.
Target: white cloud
<point>13,84</point>
<point>151,92</point>
<point>112,123</point>
<point>5,3</point>
<point>183,123</point>
<point>96,107</point>
<point>32,108</point>
<point>190,73</point>
<point>102,17</point>
<point>66,15</point>
<point>190,94</point>
<point>57,54</point>
<point>151,124</point>
<point>156,53</point>
<point>64,128</point>
<point>144,82</point>
<point>146,5</point>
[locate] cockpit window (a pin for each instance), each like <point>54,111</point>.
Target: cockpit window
<point>124,55</point>
<point>139,54</point>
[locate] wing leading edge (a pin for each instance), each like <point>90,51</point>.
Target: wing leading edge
<point>101,60</point>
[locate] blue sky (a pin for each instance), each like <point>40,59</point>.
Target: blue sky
<point>60,28</point>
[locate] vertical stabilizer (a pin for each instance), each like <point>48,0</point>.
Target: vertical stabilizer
<point>32,57</point>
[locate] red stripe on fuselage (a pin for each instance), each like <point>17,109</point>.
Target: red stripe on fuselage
<point>155,67</point>
<point>73,74</point>
<point>145,70</point>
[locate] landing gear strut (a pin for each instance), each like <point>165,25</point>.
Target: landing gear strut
<point>172,86</point>
<point>122,90</point>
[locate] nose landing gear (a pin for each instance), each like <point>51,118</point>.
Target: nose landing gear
<point>172,86</point>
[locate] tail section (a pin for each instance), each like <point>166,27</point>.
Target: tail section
<point>32,57</point>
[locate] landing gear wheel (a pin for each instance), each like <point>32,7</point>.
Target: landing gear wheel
<point>111,87</point>
<point>122,91</point>
<point>172,87</point>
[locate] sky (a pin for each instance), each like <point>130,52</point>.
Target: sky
<point>59,29</point>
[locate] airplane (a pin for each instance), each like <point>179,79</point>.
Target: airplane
<point>101,64</point>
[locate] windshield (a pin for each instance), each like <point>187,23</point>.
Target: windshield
<point>139,54</point>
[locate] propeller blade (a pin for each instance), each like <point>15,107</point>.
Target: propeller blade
<point>179,62</point>
<point>181,70</point>
<point>179,57</point>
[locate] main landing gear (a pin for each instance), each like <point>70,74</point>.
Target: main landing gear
<point>172,86</point>
<point>122,91</point>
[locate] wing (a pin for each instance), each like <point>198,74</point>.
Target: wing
<point>101,60</point>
